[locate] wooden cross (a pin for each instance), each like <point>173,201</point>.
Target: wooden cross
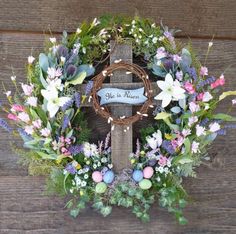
<point>121,138</point>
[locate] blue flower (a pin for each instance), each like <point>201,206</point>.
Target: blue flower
<point>89,87</point>
<point>5,125</point>
<point>77,99</point>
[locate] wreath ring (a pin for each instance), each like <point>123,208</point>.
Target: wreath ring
<point>104,111</point>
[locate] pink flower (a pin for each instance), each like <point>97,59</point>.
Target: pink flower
<point>65,151</point>
<point>186,132</point>
<point>214,127</point>
<point>31,59</point>
<point>218,82</point>
<point>12,117</point>
<point>206,97</point>
<point>192,120</point>
<point>68,140</point>
<point>200,131</point>
<point>53,73</point>
<point>29,130</point>
<point>203,71</point>
<point>177,142</point>
<point>16,107</point>
<point>200,96</point>
<point>45,132</point>
<point>162,161</point>
<point>194,107</point>
<point>28,89</point>
<point>24,117</point>
<point>189,87</point>
<point>32,101</point>
<point>195,147</point>
<point>161,53</point>
<point>177,58</point>
<point>37,123</point>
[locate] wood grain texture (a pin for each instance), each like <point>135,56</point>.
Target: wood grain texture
<point>25,209</point>
<point>121,138</point>
<point>195,17</point>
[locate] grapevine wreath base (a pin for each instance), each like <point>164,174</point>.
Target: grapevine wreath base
<point>48,114</point>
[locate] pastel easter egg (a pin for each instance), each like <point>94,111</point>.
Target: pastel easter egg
<point>108,177</point>
<point>101,187</point>
<point>148,172</point>
<point>97,176</point>
<point>137,175</point>
<point>145,184</point>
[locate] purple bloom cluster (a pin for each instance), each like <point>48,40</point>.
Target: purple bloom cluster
<point>75,149</point>
<point>77,99</point>
<point>207,81</point>
<point>192,72</point>
<point>89,87</point>
<point>24,135</point>
<point>67,105</point>
<point>168,147</point>
<point>5,125</point>
<point>65,122</point>
<point>204,122</point>
<point>71,169</point>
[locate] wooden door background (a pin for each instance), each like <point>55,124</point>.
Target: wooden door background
<point>24,208</point>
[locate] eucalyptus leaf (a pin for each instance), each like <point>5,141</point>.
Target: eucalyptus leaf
<point>46,156</point>
<point>89,69</point>
<point>43,62</point>
<point>162,115</point>
<point>175,109</point>
<point>224,117</point>
<point>77,80</point>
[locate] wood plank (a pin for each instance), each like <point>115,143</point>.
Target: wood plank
<point>195,18</point>
<point>121,136</point>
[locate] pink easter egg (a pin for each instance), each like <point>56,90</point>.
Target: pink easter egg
<point>148,172</point>
<point>97,176</point>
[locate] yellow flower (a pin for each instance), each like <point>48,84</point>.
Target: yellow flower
<point>81,193</point>
<point>88,162</point>
<point>132,161</point>
<point>142,153</point>
<point>78,166</point>
<point>168,136</point>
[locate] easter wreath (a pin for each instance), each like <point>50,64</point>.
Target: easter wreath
<point>49,117</point>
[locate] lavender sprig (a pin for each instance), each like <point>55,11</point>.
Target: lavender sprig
<point>67,105</point>
<point>88,88</point>
<point>107,140</point>
<point>207,81</point>
<point>5,125</point>
<point>65,123</point>
<point>75,149</point>
<point>77,99</point>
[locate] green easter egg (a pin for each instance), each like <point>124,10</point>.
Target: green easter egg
<point>145,184</point>
<point>101,187</point>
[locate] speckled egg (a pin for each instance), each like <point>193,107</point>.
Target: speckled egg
<point>137,175</point>
<point>108,177</point>
<point>97,176</point>
<point>148,172</point>
<point>101,187</point>
<point>145,184</point>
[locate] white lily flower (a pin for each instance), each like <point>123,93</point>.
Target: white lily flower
<point>171,90</point>
<point>53,101</point>
<point>158,136</point>
<point>155,141</point>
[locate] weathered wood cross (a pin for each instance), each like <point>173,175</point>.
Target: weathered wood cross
<point>121,136</point>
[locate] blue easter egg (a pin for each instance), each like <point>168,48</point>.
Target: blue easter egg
<point>137,175</point>
<point>108,177</point>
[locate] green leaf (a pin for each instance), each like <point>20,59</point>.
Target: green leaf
<point>46,156</point>
<point>42,80</point>
<point>187,145</point>
<point>182,220</point>
<point>224,117</point>
<point>43,62</point>
<point>182,203</point>
<point>77,80</point>
<point>185,159</point>
<point>74,213</point>
<point>106,210</point>
<point>162,115</point>
<point>226,94</point>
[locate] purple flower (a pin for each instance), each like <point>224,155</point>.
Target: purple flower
<point>67,105</point>
<point>24,135</point>
<point>168,147</point>
<point>66,121</point>
<point>221,132</point>
<point>207,81</point>
<point>71,70</point>
<point>5,125</point>
<point>75,149</point>
<point>70,168</point>
<point>204,122</point>
<point>192,72</point>
<point>62,51</point>
<point>88,88</point>
<point>77,99</point>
